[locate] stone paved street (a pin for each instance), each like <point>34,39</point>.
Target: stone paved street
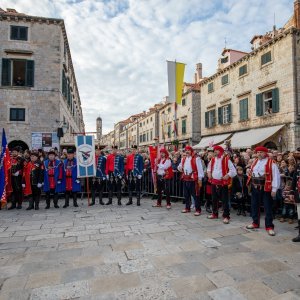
<point>142,253</point>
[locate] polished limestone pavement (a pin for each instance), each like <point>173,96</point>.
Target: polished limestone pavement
<point>112,252</point>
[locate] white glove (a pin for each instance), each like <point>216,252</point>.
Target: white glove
<point>77,181</point>
<point>58,182</point>
<point>39,185</point>
<point>120,176</point>
<point>107,177</point>
<point>17,173</point>
<point>23,186</point>
<point>139,177</point>
<point>104,178</point>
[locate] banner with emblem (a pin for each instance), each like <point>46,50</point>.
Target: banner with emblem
<point>85,154</point>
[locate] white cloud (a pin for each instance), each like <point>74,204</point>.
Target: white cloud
<point>119,47</point>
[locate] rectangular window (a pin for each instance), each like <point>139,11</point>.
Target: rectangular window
<point>224,60</point>
<point>183,126</point>
<point>141,138</point>
<point>151,135</point>
<point>19,33</point>
<point>169,131</point>
<point>144,137</point>
<point>17,72</point>
<point>265,58</point>
<point>210,87</point>
<point>183,102</point>
<point>224,114</point>
<point>243,70</point>
<point>224,79</point>
<point>210,118</point>
<point>267,102</point>
<point>17,114</point>
<point>244,109</point>
<point>147,136</point>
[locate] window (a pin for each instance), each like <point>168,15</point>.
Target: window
<point>141,124</point>
<point>224,114</point>
<point>147,121</point>
<point>224,79</point>
<point>244,109</point>
<point>151,135</point>
<point>210,118</point>
<point>151,119</point>
<point>265,58</point>
<point>224,60</point>
<point>243,70</point>
<point>183,102</point>
<point>144,137</point>
<point>169,109</point>
<point>147,136</point>
<point>267,102</point>
<point>17,72</point>
<point>17,114</point>
<point>141,138</point>
<point>169,131</point>
<point>19,33</point>
<point>183,126</point>
<point>210,87</point>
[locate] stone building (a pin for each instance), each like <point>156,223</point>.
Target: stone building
<point>187,128</point>
<point>38,92</point>
<point>255,99</point>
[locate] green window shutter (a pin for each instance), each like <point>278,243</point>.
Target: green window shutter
<point>6,72</point>
<point>206,119</point>
<point>220,115</point>
<point>244,109</point>
<point>214,117</point>
<point>29,73</point>
<point>275,100</point>
<point>13,32</point>
<point>259,105</point>
<point>229,114</point>
<point>241,110</point>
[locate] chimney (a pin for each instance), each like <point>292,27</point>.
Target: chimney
<point>199,71</point>
<point>297,13</point>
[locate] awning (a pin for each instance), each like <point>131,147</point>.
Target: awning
<point>252,137</point>
<point>212,140</point>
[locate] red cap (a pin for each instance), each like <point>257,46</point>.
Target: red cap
<point>220,148</point>
<point>262,149</point>
<point>164,151</point>
<point>188,148</point>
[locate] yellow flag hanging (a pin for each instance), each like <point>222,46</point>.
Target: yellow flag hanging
<point>175,81</point>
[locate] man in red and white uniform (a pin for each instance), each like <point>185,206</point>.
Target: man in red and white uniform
<point>164,175</point>
<point>220,170</point>
<point>264,178</point>
<point>192,175</point>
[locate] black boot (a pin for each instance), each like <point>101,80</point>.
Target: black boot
<point>101,202</point>
<point>30,205</point>
<point>109,202</point>
<point>36,205</point>
<point>13,205</point>
<point>66,200</point>
<point>47,202</point>
<point>297,238</point>
<point>19,206</point>
<point>129,202</point>
<point>119,202</point>
<point>75,200</point>
<point>239,212</point>
<point>138,202</point>
<point>55,201</point>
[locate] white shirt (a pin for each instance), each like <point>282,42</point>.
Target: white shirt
<point>187,168</point>
<point>259,170</point>
<point>217,170</point>
<point>164,165</point>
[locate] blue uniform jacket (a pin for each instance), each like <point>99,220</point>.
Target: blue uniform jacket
<point>138,165</point>
<point>101,165</point>
<point>76,187</point>
<point>59,188</point>
<point>119,165</point>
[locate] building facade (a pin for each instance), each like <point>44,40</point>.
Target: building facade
<point>38,92</point>
<point>255,99</point>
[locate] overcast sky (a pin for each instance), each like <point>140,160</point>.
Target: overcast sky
<point>120,47</point>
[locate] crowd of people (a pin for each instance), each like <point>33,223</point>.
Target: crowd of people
<point>215,178</point>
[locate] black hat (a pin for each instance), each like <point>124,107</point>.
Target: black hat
<point>114,147</point>
<point>51,152</point>
<point>35,153</point>
<point>70,151</point>
<point>134,147</point>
